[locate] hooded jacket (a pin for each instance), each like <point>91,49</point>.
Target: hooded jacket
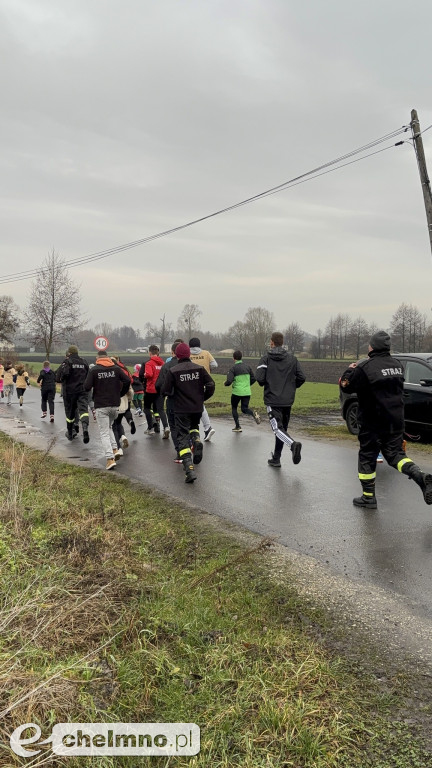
<point>378,381</point>
<point>280,374</point>
<point>203,357</point>
<point>109,383</point>
<point>47,380</point>
<point>152,370</point>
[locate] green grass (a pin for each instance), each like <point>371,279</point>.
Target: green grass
<point>146,613</point>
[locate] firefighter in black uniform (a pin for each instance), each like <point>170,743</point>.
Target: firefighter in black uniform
<point>72,375</point>
<point>189,385</point>
<point>378,382</point>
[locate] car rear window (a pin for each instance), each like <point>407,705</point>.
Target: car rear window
<point>415,371</point>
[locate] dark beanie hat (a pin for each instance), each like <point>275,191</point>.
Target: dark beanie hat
<point>182,351</point>
<point>195,342</point>
<point>380,342</point>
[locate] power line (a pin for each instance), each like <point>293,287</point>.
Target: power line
<point>301,179</point>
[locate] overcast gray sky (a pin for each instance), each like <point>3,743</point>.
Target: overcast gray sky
<point>122,119</point>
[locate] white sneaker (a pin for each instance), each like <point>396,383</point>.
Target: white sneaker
<point>124,441</point>
<point>380,458</point>
<point>166,434</point>
<point>208,434</point>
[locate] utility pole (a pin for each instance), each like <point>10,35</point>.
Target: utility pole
<point>421,161</point>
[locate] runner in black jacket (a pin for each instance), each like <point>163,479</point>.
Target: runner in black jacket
<point>72,374</point>
<point>378,382</point>
<point>189,385</point>
<point>47,381</point>
<point>109,383</point>
<point>280,374</point>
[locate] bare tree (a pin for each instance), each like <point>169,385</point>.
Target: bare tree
<point>260,324</point>
<point>330,340</point>
<point>239,337</point>
<point>294,338</point>
<point>399,326</point>
<point>408,326</point>
<point>159,333</point>
<point>358,336</point>
<point>188,319</point>
<point>104,329</point>
<point>53,312</point>
<point>343,325</point>
<point>316,346</point>
<point>8,318</point>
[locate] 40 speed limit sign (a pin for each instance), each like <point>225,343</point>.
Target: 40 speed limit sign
<point>101,343</point>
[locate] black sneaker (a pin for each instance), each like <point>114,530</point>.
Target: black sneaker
<point>296,452</point>
<point>86,436</point>
<point>208,434</point>
<point>156,427</point>
<point>274,461</point>
<point>69,435</point>
<point>198,452</point>
<point>132,427</point>
<point>368,502</point>
<point>427,488</point>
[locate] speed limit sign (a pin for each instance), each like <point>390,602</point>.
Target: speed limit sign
<point>101,343</point>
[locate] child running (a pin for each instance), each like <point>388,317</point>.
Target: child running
<point>47,381</point>
<point>22,382</point>
<point>138,390</point>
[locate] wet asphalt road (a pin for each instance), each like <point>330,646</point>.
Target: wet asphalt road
<point>307,508</point>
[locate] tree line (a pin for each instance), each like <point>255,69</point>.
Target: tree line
<point>53,318</point>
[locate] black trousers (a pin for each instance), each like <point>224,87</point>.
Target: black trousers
<point>244,400</point>
<point>172,424</point>
<point>187,426</point>
<point>76,402</point>
<point>47,396</point>
<point>371,443</point>
<point>282,415</point>
<point>152,399</point>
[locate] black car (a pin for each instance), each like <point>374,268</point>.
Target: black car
<point>417,395</point>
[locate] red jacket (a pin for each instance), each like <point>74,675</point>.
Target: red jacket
<point>152,371</point>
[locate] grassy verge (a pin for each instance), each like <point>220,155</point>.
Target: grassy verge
<point>119,605</point>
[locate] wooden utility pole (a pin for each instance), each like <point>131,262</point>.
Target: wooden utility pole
<point>424,178</point>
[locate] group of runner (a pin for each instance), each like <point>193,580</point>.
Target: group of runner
<point>171,395</point>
